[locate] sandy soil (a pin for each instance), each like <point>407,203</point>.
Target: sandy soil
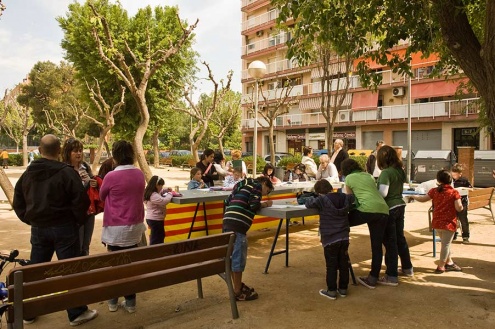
<point>289,295</point>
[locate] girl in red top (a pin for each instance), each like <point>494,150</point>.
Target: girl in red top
<point>446,204</point>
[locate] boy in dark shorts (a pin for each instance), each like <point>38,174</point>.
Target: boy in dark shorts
<point>334,229</point>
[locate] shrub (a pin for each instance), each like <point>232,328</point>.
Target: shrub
<point>286,160</point>
<point>260,162</point>
<point>15,159</point>
<point>361,159</point>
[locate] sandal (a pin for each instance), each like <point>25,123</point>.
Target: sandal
<point>453,268</point>
<point>246,296</point>
<point>439,270</point>
<point>245,288</point>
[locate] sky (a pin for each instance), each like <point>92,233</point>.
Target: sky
<point>29,33</point>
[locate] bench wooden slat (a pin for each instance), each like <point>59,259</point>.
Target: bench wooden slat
<point>481,198</point>
<point>103,291</point>
<point>55,286</point>
<point>102,275</point>
<point>87,263</point>
<point>166,162</point>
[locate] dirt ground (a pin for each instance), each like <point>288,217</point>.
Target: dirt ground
<point>289,295</point>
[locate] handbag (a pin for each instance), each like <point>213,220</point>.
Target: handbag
<point>301,197</point>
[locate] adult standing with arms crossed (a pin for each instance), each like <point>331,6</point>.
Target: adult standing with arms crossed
<point>123,218</point>
<point>339,155</point>
<point>49,196</point>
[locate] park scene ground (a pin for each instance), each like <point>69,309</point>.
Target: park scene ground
<point>289,295</point>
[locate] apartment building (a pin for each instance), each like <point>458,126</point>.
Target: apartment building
<point>440,119</point>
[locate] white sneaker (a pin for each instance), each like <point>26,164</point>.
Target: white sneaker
<point>113,307</point>
<point>29,321</point>
<point>129,309</point>
<point>85,317</point>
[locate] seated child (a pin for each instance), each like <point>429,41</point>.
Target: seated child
<point>298,175</point>
<point>333,209</point>
<point>233,179</point>
<point>196,181</point>
<point>269,171</point>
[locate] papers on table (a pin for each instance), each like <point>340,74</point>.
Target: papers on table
<point>282,206</point>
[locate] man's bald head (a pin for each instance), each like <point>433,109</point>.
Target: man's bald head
<point>50,147</point>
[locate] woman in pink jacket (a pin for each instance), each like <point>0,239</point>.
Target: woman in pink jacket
<point>156,199</point>
<point>123,217</point>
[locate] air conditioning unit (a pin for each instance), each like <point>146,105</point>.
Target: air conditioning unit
<point>259,33</point>
<point>344,116</point>
<point>398,91</point>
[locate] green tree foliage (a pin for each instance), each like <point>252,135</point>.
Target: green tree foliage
<point>141,53</point>
<point>462,32</point>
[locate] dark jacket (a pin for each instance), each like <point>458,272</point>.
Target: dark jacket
<point>371,163</point>
<point>333,209</point>
<point>463,182</point>
<point>341,156</point>
<point>50,193</point>
<point>210,176</point>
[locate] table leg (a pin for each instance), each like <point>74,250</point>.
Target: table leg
<point>272,253</point>
<point>287,221</point>
<point>193,220</point>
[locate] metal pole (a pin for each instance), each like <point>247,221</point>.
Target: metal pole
<point>409,133</point>
<point>255,132</point>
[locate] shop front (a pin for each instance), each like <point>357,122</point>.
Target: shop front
<point>296,142</point>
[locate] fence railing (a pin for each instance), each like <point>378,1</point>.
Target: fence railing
<point>431,110</point>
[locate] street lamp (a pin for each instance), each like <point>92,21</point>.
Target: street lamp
<point>256,70</point>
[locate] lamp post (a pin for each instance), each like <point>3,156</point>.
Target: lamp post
<point>256,70</point>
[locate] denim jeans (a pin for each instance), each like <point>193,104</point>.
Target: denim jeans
<point>337,258</point>
<point>130,300</point>
<point>85,235</point>
<point>402,247</point>
<point>62,240</point>
<point>239,253</point>
<point>157,231</point>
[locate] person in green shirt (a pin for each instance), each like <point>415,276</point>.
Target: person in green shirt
<point>390,185</point>
<point>371,209</point>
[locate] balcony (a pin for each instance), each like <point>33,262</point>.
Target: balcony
<point>279,66</point>
<point>273,94</point>
<point>266,43</point>
<point>433,110</point>
<point>259,20</point>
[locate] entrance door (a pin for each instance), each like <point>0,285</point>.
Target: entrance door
<point>466,137</point>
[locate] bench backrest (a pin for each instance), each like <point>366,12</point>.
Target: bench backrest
<point>55,286</point>
<point>480,198</point>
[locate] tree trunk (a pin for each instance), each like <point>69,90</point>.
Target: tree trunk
<point>220,145</point>
<point>7,187</point>
<point>156,151</point>
<point>272,146</point>
<point>24,150</point>
<point>140,132</point>
<point>101,143</point>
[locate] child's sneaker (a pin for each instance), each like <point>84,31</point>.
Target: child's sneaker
<point>129,309</point>
<point>330,294</point>
<point>364,280</point>
<point>113,307</point>
<point>342,292</point>
<point>465,240</point>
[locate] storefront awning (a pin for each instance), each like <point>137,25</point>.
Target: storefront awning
<point>364,100</point>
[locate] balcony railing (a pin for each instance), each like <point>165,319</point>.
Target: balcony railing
<point>260,19</point>
<point>275,67</point>
<point>445,109</point>
<point>271,41</point>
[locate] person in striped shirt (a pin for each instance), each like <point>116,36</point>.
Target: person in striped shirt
<point>240,208</point>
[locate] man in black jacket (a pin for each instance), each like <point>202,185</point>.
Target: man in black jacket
<point>50,197</point>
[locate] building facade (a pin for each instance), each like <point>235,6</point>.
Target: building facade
<point>440,119</point>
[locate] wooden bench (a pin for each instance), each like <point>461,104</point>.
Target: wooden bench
<point>481,198</point>
<point>191,163</point>
<point>166,162</point>
<point>50,287</point>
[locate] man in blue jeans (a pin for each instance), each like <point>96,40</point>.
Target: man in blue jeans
<point>50,198</point>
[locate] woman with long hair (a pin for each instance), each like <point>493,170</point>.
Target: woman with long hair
<point>72,154</point>
<point>156,199</point>
<point>390,185</point>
